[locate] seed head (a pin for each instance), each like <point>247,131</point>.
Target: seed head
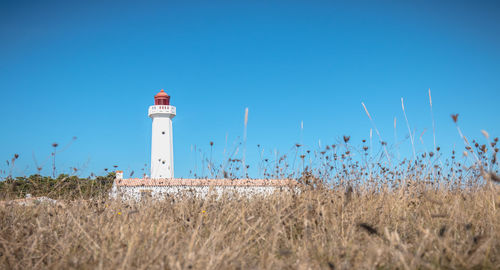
<point>485,134</point>
<point>454,117</point>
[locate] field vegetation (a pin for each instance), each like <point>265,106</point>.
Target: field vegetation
<point>355,209</point>
<point>410,216</point>
<point>412,227</point>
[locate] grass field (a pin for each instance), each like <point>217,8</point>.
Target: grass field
<point>352,211</point>
<point>414,227</point>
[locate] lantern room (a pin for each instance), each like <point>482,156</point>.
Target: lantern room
<point>162,98</point>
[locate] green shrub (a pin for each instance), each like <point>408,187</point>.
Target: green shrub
<point>62,187</point>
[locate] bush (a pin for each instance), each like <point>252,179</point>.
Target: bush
<point>62,187</point>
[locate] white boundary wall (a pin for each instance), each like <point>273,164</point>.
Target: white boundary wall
<point>137,189</point>
<point>137,193</point>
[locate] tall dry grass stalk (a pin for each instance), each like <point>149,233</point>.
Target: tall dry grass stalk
<point>433,122</point>
<point>371,141</point>
<point>396,138</point>
<point>409,130</point>
<point>245,140</point>
<point>454,117</point>
<point>378,133</point>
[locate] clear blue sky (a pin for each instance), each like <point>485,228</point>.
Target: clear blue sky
<point>90,69</point>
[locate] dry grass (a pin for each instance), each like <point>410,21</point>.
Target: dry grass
<point>322,228</point>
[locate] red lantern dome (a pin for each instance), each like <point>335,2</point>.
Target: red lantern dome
<point>162,98</point>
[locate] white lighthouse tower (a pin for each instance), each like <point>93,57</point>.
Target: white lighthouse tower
<point>162,153</point>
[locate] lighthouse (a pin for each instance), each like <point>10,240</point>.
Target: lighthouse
<point>162,182</point>
<point>162,152</point>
